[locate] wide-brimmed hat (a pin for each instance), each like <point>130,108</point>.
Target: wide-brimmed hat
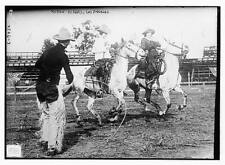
<point>86,22</point>
<point>104,29</point>
<point>149,30</point>
<point>63,35</point>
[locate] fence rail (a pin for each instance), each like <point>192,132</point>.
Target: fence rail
<point>25,59</point>
<point>33,87</point>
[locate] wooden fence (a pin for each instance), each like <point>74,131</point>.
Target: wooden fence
<point>26,59</point>
<point>24,90</point>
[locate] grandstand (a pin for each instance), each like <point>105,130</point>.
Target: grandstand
<point>194,70</point>
<point>203,69</point>
<point>25,61</point>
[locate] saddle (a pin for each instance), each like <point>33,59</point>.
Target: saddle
<point>101,70</point>
<point>149,68</point>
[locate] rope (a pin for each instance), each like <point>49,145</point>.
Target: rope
<point>177,55</point>
<point>123,116</point>
<point>118,54</point>
<point>118,127</point>
<point>31,86</point>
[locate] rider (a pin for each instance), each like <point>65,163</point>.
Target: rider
<point>102,55</point>
<point>149,63</point>
<point>101,44</point>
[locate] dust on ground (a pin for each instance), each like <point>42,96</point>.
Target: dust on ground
<point>186,134</point>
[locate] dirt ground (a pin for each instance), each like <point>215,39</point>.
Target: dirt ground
<point>186,134</point>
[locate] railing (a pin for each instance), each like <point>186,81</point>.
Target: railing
<point>198,60</point>
<point>25,89</point>
<point>21,59</point>
<point>36,55</point>
<point>23,55</point>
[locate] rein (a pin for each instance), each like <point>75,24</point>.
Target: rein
<point>130,50</point>
<point>176,46</point>
<point>177,55</point>
<point>107,140</point>
<point>173,44</point>
<point>92,81</point>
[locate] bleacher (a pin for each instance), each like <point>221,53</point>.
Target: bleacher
<point>200,69</point>
<point>193,69</point>
<point>25,61</point>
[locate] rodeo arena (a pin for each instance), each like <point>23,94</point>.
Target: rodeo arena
<point>113,111</point>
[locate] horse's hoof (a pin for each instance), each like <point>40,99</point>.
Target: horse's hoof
<point>78,119</point>
<point>161,113</point>
<point>100,123</point>
<point>79,124</point>
<point>147,109</point>
<point>181,107</point>
<point>114,119</point>
<point>136,100</point>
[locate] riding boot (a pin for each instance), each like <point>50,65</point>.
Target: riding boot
<point>149,83</point>
<point>99,93</point>
<point>150,79</point>
<point>149,74</point>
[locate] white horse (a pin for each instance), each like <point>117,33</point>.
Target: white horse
<point>118,83</point>
<point>168,81</point>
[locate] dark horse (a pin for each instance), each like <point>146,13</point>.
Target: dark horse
<point>168,81</point>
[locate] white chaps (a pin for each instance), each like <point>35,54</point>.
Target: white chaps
<point>53,121</point>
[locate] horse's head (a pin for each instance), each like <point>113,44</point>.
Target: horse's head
<point>131,50</point>
<point>177,49</point>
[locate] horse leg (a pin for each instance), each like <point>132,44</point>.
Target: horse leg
<point>166,96</point>
<point>178,89</point>
<point>121,104</point>
<point>74,105</point>
<point>148,93</point>
<point>135,87</point>
<point>91,101</point>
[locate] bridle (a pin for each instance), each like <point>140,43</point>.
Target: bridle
<point>183,52</point>
<point>174,54</point>
<point>136,52</point>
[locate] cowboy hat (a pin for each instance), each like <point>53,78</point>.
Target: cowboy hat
<point>104,29</point>
<point>86,22</point>
<point>152,31</point>
<point>63,35</point>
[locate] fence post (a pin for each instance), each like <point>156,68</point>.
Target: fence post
<point>203,88</point>
<point>192,75</point>
<point>189,79</point>
<point>14,92</point>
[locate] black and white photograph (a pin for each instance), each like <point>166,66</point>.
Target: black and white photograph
<point>112,82</point>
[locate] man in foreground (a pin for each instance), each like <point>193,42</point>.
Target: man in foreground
<point>50,98</point>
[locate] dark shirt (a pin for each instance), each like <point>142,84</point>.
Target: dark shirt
<point>51,63</point>
<point>148,44</point>
<point>150,48</point>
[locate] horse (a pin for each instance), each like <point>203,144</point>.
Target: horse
<point>117,83</point>
<point>168,81</point>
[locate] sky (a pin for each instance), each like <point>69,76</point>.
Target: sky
<point>195,27</point>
